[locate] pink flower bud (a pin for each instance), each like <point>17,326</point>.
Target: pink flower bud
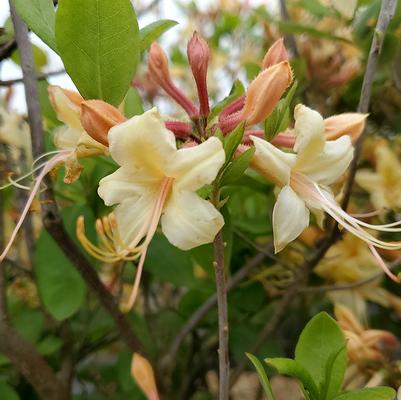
<point>98,117</point>
<point>276,53</point>
<point>265,91</point>
<point>159,73</point>
<point>142,372</point>
<point>198,57</point>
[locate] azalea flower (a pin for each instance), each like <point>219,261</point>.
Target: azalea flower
<point>72,136</point>
<point>304,178</point>
<point>156,181</point>
<point>384,185</point>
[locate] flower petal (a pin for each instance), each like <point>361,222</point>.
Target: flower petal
<point>143,141</point>
<point>132,215</point>
<point>125,184</point>
<point>309,130</point>
<point>189,221</point>
<point>373,183</point>
<point>194,167</point>
<point>327,166</point>
<point>67,110</point>
<point>67,138</point>
<point>272,162</point>
<point>290,218</point>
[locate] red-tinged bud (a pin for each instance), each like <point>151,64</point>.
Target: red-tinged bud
<point>180,129</point>
<point>276,53</point>
<point>351,124</point>
<point>159,73</point>
<point>158,65</point>
<point>265,91</point>
<point>198,57</point>
<point>98,117</point>
<point>142,372</point>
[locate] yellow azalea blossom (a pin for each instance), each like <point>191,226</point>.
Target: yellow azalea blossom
<point>350,261</point>
<point>304,179</point>
<point>156,181</point>
<point>363,344</point>
<point>384,185</point>
<point>72,136</point>
<point>14,131</point>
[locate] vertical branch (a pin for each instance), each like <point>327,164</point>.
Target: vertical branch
<point>288,37</point>
<point>387,11</point>
<point>224,362</point>
<point>3,299</point>
<point>50,214</point>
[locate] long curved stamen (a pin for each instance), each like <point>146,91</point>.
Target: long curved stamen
<point>49,165</point>
<point>311,189</point>
<point>156,214</point>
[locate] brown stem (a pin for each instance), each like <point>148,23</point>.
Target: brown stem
<point>224,361</point>
<point>39,77</point>
<point>50,214</point>
<point>387,10</point>
<point>289,38</point>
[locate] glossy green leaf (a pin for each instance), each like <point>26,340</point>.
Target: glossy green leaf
<point>287,366</point>
<point>153,31</point>
<point>98,41</point>
<point>320,339</point>
<point>237,167</point>
<point>61,288</point>
<point>334,374</point>
<point>232,141</point>
<point>39,15</point>
<point>7,392</point>
<point>133,103</point>
<point>264,380</point>
<point>377,393</point>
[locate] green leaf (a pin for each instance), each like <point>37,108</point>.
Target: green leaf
<point>264,380</point>
<point>39,58</point>
<point>153,31</point>
<point>334,373</point>
<point>98,41</point>
<point>39,15</point>
<point>133,103</point>
<point>7,392</point>
<point>60,286</point>
<point>320,339</point>
<point>175,266</point>
<point>49,345</point>
<point>377,393</point>
<point>279,119</point>
<point>237,167</point>
<point>287,366</point>
<point>232,141</point>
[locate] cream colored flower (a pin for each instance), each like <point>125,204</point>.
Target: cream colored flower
<point>72,136</point>
<point>304,179</point>
<point>316,164</point>
<point>155,182</point>
<point>384,185</point>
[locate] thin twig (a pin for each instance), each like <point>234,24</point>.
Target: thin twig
<point>50,214</point>
<point>387,11</point>
<point>289,38</point>
<point>224,361</point>
<point>39,77</point>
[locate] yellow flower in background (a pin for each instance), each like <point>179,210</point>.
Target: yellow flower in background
<point>14,131</point>
<point>316,164</point>
<point>156,181</point>
<point>383,185</point>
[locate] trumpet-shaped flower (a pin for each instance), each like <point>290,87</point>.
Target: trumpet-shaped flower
<point>155,182</point>
<point>304,179</point>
